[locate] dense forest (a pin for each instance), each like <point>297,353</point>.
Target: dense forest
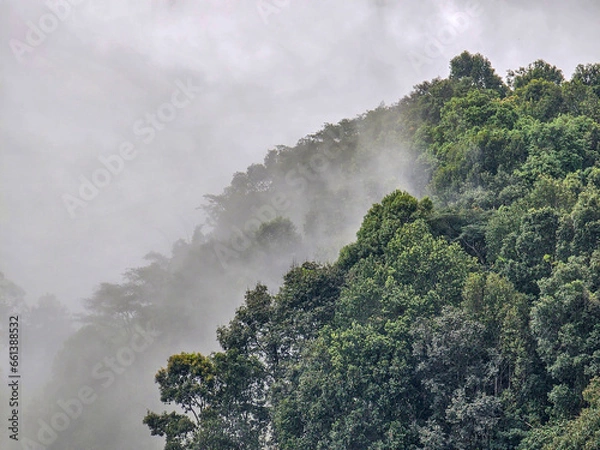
<point>463,314</point>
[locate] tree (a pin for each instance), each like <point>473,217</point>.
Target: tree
<point>583,432</point>
<point>565,323</point>
<point>248,332</point>
<point>540,99</point>
<point>559,147</point>
<point>380,224</point>
<point>280,233</point>
<point>588,75</point>
<point>477,71</point>
<point>581,99</point>
<point>586,222</point>
<point>351,391</point>
<point>220,396</point>
<point>537,70</point>
<point>526,254</point>
<point>432,268</point>
<point>456,368</point>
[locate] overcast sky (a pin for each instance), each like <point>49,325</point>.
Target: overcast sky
<point>175,99</point>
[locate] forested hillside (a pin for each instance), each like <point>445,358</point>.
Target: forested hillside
<point>463,314</point>
<point>468,319</point>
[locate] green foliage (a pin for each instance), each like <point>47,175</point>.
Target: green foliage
<point>585,219</point>
<point>431,267</point>
<point>220,392</point>
<point>380,224</point>
<point>581,99</point>
<point>588,75</point>
<point>583,432</point>
<point>537,70</point>
<point>540,99</point>
<point>458,370</point>
<point>175,427</point>
<point>565,323</point>
<point>246,332</point>
<point>351,391</point>
<point>477,71</point>
<point>526,251</point>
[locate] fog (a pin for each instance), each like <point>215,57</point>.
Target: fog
<point>268,75</point>
<point>119,116</point>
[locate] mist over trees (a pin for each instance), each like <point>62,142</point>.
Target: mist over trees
<point>463,313</point>
<point>464,320</point>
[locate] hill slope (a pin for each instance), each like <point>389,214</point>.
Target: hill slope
<point>464,319</point>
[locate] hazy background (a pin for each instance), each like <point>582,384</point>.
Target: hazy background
<point>270,72</point>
